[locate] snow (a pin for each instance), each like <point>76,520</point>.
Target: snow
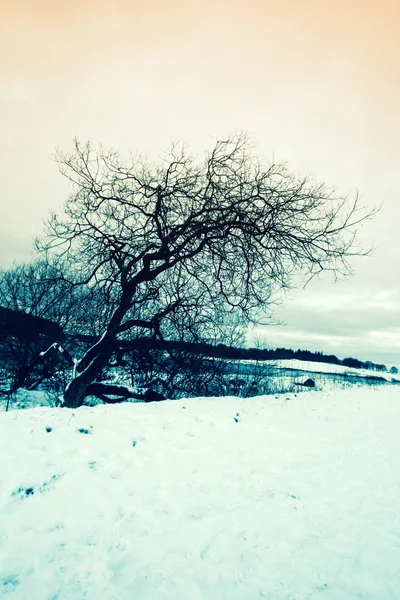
<point>280,497</point>
<point>325,368</point>
<point>23,398</point>
<point>321,367</point>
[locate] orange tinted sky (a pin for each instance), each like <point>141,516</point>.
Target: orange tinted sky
<point>316,82</point>
<point>202,67</point>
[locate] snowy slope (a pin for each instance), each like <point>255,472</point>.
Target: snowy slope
<point>295,498</point>
<point>320,367</point>
<point>325,368</point>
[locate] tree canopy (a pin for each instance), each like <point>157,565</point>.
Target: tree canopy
<point>187,247</point>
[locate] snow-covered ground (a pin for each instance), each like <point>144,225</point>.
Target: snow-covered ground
<point>321,367</point>
<point>324,368</point>
<point>289,497</point>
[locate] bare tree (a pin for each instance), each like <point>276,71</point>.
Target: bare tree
<point>38,308</point>
<point>35,304</point>
<point>190,239</point>
<point>36,289</point>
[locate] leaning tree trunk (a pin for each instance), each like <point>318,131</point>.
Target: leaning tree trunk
<point>97,357</point>
<point>75,393</point>
<point>77,389</point>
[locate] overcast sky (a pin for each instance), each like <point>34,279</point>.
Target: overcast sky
<point>315,82</point>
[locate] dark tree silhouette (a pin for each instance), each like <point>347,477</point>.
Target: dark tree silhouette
<point>186,246</point>
<point>35,304</point>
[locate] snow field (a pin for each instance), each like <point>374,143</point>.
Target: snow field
<point>280,497</point>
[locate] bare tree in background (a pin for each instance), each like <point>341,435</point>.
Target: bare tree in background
<point>35,305</point>
<point>36,289</point>
<point>186,239</point>
<point>38,307</point>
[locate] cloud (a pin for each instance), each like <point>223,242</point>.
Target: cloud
<point>361,322</point>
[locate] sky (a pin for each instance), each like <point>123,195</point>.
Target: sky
<point>317,83</point>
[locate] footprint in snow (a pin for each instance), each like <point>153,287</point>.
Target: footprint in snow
<point>30,491</point>
<point>10,583</point>
<point>322,587</point>
<point>294,502</point>
<point>85,431</point>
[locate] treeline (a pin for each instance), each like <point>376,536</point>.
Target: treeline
<point>234,353</point>
<point>223,351</point>
<point>305,355</point>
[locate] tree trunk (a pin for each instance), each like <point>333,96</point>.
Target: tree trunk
<point>75,393</point>
<point>96,358</point>
<point>77,389</point>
